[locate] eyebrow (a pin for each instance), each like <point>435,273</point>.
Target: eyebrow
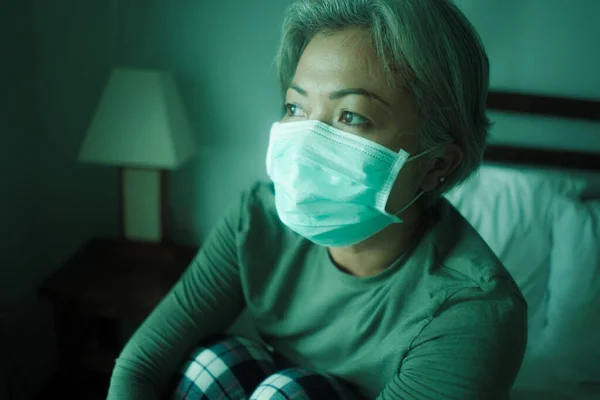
<point>338,94</point>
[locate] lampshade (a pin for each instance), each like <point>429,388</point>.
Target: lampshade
<point>139,122</point>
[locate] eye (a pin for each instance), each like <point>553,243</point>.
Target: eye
<point>292,110</point>
<point>353,119</point>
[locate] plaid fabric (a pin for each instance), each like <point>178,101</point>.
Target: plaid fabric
<point>229,369</point>
<point>301,384</point>
<point>236,368</point>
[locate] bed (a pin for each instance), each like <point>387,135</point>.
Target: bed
<point>539,211</point>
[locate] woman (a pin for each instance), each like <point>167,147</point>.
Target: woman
<point>362,281</point>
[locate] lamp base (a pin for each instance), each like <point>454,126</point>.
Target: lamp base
<point>142,204</point>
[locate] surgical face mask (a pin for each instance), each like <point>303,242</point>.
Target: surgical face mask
<point>331,186</point>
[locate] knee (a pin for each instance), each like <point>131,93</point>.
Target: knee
<point>301,384</point>
<point>231,364</point>
<point>230,351</point>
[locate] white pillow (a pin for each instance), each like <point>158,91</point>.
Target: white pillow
<point>558,181</point>
<point>572,333</point>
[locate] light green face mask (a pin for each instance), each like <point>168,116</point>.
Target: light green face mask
<point>331,186</point>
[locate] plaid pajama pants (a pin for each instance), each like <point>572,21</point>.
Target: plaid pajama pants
<point>236,368</point>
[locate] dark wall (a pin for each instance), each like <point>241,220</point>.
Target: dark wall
<point>19,178</point>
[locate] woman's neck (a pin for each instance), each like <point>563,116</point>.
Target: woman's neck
<point>378,252</point>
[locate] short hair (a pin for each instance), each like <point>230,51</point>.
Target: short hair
<point>428,44</point>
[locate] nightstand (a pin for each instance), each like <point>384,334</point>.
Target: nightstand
<point>105,283</point>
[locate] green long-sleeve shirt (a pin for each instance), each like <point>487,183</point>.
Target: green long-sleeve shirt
<point>445,321</point>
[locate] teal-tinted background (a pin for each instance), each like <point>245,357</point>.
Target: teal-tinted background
<point>56,56</point>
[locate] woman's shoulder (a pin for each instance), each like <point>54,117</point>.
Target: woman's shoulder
<point>465,259</point>
<point>258,223</point>
<point>258,205</point>
<point>469,287</point>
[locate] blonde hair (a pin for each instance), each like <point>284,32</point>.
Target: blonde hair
<point>428,44</point>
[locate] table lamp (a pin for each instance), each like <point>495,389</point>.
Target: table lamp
<point>140,126</point>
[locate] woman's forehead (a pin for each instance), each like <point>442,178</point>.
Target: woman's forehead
<point>344,59</point>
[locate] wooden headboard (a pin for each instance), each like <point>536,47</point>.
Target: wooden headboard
<point>549,106</point>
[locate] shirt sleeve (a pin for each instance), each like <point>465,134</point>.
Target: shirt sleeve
<point>471,349</point>
<point>205,301</point>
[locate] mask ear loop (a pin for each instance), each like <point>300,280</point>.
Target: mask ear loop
<point>409,204</point>
<point>442,179</point>
<point>417,197</point>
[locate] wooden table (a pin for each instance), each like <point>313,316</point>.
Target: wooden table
<point>107,282</point>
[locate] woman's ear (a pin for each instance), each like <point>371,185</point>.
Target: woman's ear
<point>442,167</point>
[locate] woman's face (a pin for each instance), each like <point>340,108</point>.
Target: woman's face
<point>341,82</point>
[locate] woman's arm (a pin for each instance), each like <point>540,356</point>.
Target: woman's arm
<point>471,349</point>
<point>205,301</point>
